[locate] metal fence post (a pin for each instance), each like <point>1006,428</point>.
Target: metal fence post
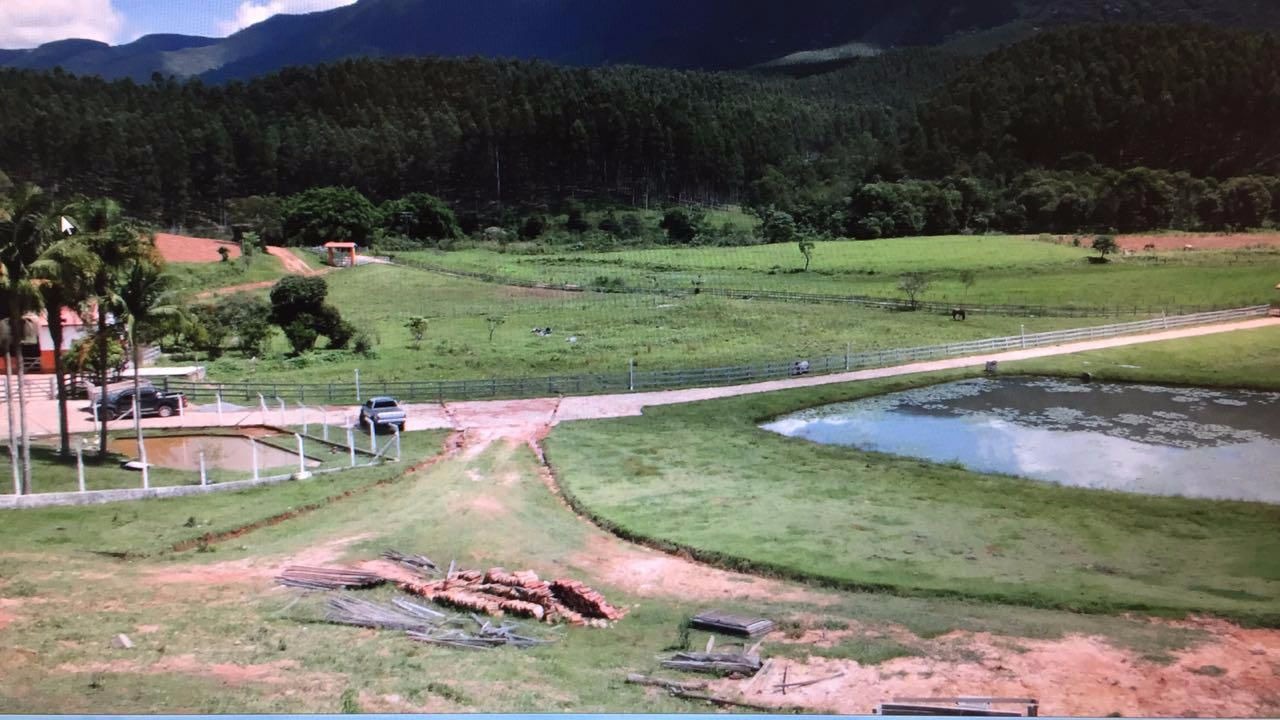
<point>351,445</point>
<point>302,459</point>
<point>373,436</point>
<point>357,385</point>
<point>204,476</point>
<point>253,446</point>
<point>79,466</point>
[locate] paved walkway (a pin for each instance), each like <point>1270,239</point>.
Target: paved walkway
<point>518,416</point>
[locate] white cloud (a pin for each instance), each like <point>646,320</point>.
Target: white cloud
<point>251,12</point>
<point>25,24</point>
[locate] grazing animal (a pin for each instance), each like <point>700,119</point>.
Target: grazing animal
<point>1188,247</point>
<point>1149,247</point>
<point>959,314</point>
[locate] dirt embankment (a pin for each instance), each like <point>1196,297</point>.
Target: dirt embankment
<point>183,249</point>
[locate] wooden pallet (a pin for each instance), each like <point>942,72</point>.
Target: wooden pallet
<point>722,622</point>
<point>958,707</point>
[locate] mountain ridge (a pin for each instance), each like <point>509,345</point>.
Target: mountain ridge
<point>677,34</point>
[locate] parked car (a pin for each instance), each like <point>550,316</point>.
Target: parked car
<point>150,402</point>
<point>382,411</point>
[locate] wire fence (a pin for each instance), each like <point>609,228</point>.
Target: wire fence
<point>632,380</point>
<point>627,294</point>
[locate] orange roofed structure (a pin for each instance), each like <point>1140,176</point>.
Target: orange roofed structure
<point>347,248</point>
<point>37,344</point>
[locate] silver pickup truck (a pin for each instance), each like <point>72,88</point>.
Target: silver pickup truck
<point>382,411</point>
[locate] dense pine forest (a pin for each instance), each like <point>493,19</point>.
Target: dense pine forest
<point>1091,128</point>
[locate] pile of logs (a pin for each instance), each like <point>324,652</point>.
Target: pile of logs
<point>523,594</point>
<point>496,592</point>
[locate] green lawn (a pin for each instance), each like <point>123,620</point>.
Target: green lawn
<point>705,478</point>
<point>1007,270</point>
<point>658,332</point>
<point>197,615</point>
<point>1240,359</point>
<point>152,526</point>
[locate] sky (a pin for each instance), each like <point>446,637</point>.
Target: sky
<point>28,23</point>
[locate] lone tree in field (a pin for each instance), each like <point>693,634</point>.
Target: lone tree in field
<point>417,330</point>
<point>968,279</point>
<point>913,285</point>
<point>806,249</point>
<point>298,307</point>
<point>1105,245</point>
<point>495,321</point>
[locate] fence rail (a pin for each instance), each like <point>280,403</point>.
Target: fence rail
<point>636,381</point>
<point>600,294</point>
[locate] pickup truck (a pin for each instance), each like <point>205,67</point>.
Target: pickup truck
<point>150,402</point>
<point>382,411</point>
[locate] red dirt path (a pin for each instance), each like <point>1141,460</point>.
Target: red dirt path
<point>182,249</point>
<point>1206,241</point>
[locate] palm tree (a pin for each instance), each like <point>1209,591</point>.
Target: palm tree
<point>144,296</point>
<point>25,231</point>
<point>115,243</point>
<point>65,271</point>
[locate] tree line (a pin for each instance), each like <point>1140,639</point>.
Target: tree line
<point>1115,127</point>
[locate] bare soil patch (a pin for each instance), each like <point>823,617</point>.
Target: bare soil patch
<point>292,263</point>
<point>279,672</point>
<point>183,249</point>
<point>649,573</point>
<point>1072,676</point>
<point>1202,241</point>
<point>250,570</point>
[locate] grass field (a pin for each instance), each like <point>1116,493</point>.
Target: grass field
<point>1007,270</point>
<point>213,635</point>
<point>1239,360</point>
<point>704,477</point>
<point>658,332</point>
<point>199,277</point>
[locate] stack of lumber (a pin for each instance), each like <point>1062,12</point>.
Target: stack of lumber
<point>420,563</point>
<point>723,622</point>
<point>488,636</point>
<point>401,615</point>
<point>744,664</point>
<point>310,578</point>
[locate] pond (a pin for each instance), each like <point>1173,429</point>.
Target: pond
<point>224,452</point>
<point>1191,442</point>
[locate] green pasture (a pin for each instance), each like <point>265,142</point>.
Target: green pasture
<point>1004,269</point>
<point>704,478</point>
<point>200,277</point>
<point>198,615</point>
<point>659,332</point>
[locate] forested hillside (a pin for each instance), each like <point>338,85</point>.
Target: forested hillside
<point>488,129</point>
<point>1087,128</point>
<point>1192,99</point>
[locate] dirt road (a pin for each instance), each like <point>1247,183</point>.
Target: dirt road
<point>526,418</point>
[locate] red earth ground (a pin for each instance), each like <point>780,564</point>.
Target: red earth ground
<point>182,249</point>
<point>1206,241</point>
